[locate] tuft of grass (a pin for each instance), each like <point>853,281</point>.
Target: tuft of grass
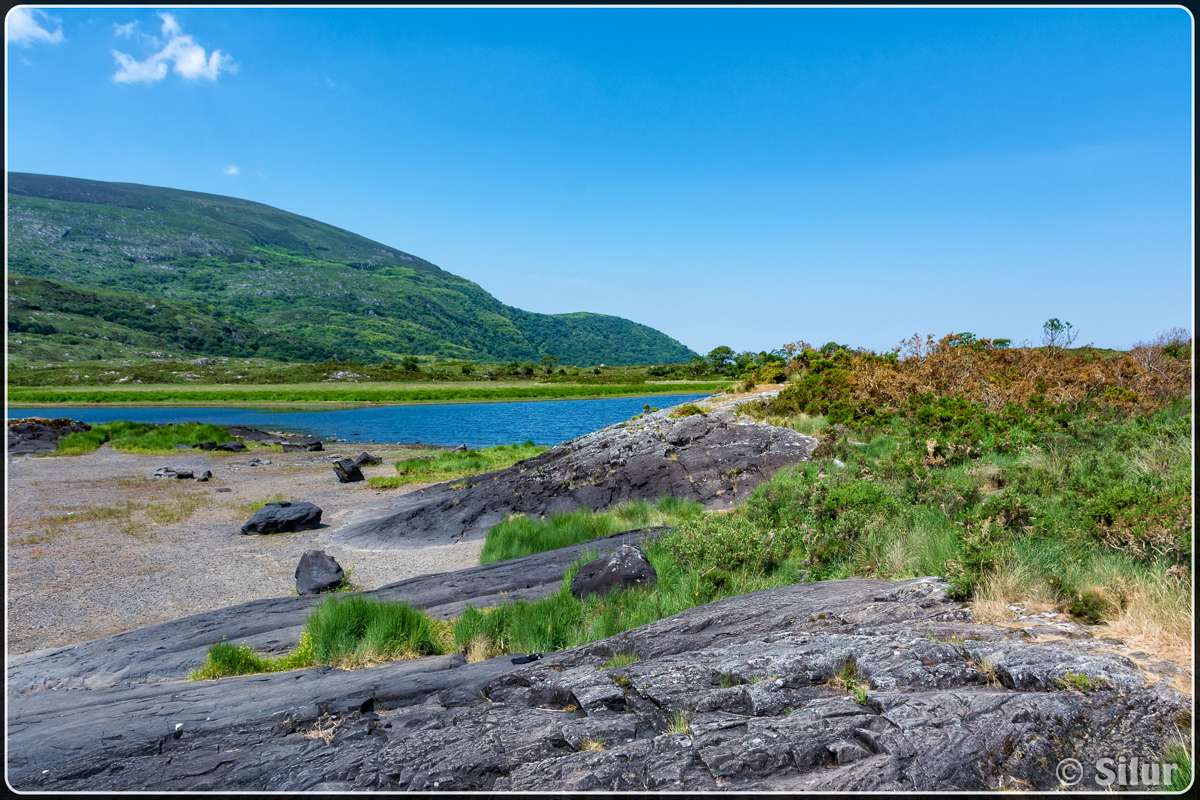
<point>591,743</point>
<point>620,660</point>
<point>224,660</point>
<point>688,411</point>
<point>348,631</point>
<point>681,723</point>
<point>354,630</point>
<point>1079,682</point>
<point>848,678</point>
<point>446,466</point>
<point>1180,754</point>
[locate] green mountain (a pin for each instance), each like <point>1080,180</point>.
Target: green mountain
<point>313,291</point>
<point>49,321</point>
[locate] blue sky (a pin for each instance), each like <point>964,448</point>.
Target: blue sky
<point>740,177</point>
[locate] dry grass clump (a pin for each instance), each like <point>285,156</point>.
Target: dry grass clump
<point>1157,617</point>
<point>1014,582</point>
<point>324,729</point>
<point>481,648</point>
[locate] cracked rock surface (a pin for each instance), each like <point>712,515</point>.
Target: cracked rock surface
<point>748,693</point>
<point>715,458</point>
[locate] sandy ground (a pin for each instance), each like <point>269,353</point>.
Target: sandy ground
<point>95,546</point>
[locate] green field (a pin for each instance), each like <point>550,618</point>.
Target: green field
<point>374,392</point>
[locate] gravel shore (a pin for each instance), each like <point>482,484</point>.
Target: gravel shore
<point>95,546</point>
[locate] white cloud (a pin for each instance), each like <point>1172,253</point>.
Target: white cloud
<point>188,58</point>
<point>232,169</point>
<point>20,27</point>
<point>127,30</point>
<point>332,85</point>
<point>170,25</point>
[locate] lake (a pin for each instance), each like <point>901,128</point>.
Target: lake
<point>546,422</point>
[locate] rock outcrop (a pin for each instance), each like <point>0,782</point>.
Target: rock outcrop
<point>40,435</point>
<point>715,458</point>
<point>863,685</point>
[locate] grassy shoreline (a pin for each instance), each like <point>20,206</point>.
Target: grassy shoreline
<point>322,396</point>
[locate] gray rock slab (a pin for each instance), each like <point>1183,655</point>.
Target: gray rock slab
<point>749,676</point>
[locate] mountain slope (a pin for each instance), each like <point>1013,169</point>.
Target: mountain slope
<point>49,321</point>
<point>340,292</point>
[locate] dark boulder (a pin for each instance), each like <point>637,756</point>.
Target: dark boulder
<point>204,446</point>
<point>715,458</point>
<point>283,517</point>
<point>623,568</point>
<point>233,447</point>
<point>347,471</point>
<point>366,459</point>
<point>204,475</point>
<point>462,448</point>
<point>317,572</point>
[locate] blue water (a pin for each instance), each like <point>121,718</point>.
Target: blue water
<point>546,422</point>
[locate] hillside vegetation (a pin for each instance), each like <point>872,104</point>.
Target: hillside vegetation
<point>50,321</point>
<point>338,294</point>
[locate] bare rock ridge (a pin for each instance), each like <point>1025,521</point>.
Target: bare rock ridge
<point>716,458</point>
<point>736,695</point>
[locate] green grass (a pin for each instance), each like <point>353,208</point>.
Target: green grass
<point>140,437</point>
<point>347,630</point>
<point>446,465</point>
<point>522,536</point>
<point>355,630</point>
<point>224,660</point>
<point>620,660</point>
<point>1181,777</point>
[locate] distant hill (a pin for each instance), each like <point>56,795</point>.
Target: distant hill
<point>313,291</point>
